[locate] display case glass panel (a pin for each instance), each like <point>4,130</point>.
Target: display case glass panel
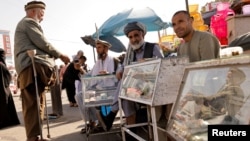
<point>139,81</point>
<point>210,95</point>
<point>99,90</point>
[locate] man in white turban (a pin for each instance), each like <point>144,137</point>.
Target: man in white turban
<point>105,65</point>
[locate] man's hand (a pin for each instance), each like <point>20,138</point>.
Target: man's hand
<point>103,72</point>
<point>119,75</point>
<point>82,71</point>
<point>141,60</point>
<point>64,58</point>
<point>79,67</point>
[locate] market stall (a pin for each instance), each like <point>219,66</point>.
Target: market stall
<point>110,28</point>
<point>160,82</point>
<point>98,91</point>
<point>149,83</point>
<point>214,92</point>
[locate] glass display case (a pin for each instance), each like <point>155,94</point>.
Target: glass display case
<point>98,90</point>
<point>212,92</point>
<point>151,84</point>
<point>139,82</point>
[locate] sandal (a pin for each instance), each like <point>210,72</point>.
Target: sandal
<point>42,140</point>
<point>75,105</point>
<point>97,129</point>
<point>71,104</point>
<point>83,131</point>
<point>37,139</point>
<point>93,124</point>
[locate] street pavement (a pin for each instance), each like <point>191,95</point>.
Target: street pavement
<point>64,128</point>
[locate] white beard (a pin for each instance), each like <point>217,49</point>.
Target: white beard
<point>137,46</point>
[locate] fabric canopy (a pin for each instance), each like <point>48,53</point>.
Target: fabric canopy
<point>117,45</point>
<point>115,24</point>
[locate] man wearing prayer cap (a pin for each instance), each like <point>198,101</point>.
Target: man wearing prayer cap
<point>29,36</point>
<point>34,4</point>
<point>107,44</point>
<point>102,48</point>
<point>138,50</point>
<point>104,65</point>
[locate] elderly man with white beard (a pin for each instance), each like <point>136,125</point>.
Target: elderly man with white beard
<point>138,50</point>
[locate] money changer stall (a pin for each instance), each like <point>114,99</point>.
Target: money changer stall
<point>214,92</point>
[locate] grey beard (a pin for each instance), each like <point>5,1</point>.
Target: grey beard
<point>137,46</point>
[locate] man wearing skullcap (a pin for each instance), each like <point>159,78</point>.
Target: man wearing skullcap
<point>29,36</point>
<point>104,65</point>
<point>35,4</point>
<point>138,50</point>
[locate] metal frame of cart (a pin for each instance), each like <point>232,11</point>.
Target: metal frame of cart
<point>104,90</point>
<point>159,81</point>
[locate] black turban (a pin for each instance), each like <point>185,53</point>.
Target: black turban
<point>134,26</point>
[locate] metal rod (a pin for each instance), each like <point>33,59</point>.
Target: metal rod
<point>187,6</point>
<point>31,54</point>
<point>48,136</point>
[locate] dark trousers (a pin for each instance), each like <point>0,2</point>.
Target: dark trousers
<point>70,90</point>
<point>56,99</point>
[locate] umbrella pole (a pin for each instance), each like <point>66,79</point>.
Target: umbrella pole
<point>159,36</point>
<point>94,54</point>
<point>187,6</point>
<point>97,32</point>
